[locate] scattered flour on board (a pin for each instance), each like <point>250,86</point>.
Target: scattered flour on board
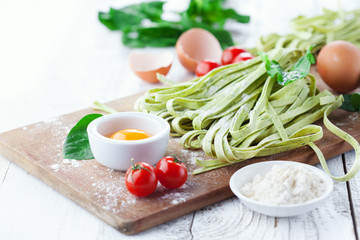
<point>54,127</point>
<point>55,167</point>
<point>108,191</point>
<point>58,131</point>
<point>354,117</point>
<point>192,155</point>
<point>51,120</point>
<point>57,128</point>
<point>65,164</point>
<point>72,163</point>
<point>176,197</point>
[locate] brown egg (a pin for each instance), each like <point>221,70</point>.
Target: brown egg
<point>196,45</point>
<point>338,64</point>
<point>147,65</point>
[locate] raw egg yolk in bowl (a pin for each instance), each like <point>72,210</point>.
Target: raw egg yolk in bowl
<point>130,134</point>
<point>117,138</point>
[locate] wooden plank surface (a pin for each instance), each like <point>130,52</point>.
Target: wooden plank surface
<point>353,187</point>
<point>38,149</point>
<point>64,64</point>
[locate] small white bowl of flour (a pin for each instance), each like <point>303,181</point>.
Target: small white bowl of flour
<point>281,188</point>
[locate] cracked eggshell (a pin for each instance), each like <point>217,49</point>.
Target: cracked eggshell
<point>196,45</point>
<point>147,65</point>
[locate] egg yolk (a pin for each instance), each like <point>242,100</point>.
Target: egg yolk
<point>129,134</point>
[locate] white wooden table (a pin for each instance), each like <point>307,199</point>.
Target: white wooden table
<point>55,58</point>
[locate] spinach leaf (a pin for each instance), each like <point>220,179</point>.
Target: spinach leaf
<point>272,67</point>
<point>223,36</point>
<point>77,143</point>
<point>130,17</point>
<point>300,69</point>
<point>158,36</point>
<point>212,13</point>
<point>351,102</point>
<point>156,32</point>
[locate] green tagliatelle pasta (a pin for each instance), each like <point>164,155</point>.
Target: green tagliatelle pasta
<point>316,31</point>
<point>237,112</point>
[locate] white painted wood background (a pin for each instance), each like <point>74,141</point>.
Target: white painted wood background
<point>55,58</point>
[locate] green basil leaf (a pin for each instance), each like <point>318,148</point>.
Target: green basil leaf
<point>302,66</point>
<point>159,36</point>
<point>77,143</point>
<point>355,100</point>
<point>351,102</point>
<point>148,10</point>
<point>300,69</point>
<point>223,36</point>
<point>231,13</point>
<point>130,17</point>
<point>206,14</point>
<point>272,67</point>
<point>107,20</point>
<point>212,13</point>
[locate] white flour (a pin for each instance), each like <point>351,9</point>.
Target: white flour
<point>285,185</point>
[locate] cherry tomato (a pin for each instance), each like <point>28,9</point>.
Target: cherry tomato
<point>171,172</point>
<point>243,57</point>
<point>205,66</point>
<point>141,179</point>
<point>230,54</point>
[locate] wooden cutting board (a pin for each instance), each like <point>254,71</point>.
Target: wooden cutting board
<point>38,149</point>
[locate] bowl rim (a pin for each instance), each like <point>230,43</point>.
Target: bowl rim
<point>327,179</point>
<point>92,128</point>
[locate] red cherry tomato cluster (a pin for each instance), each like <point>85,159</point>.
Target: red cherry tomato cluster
<point>229,56</point>
<point>243,57</point>
<point>205,66</point>
<point>141,178</point>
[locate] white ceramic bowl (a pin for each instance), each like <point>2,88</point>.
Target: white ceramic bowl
<point>247,174</point>
<point>117,154</point>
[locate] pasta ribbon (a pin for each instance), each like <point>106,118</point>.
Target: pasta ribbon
<point>237,112</point>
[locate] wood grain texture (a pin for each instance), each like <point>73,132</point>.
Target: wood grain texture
<point>354,190</point>
<point>101,191</point>
<point>77,56</point>
<point>4,167</point>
